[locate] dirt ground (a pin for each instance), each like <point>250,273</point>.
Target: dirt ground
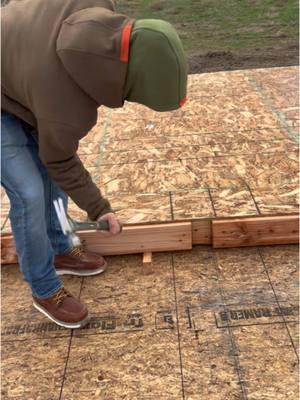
<point>244,59</point>
<point>228,35</point>
<point>238,34</point>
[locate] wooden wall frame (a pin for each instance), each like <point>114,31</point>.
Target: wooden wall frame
<point>220,233</point>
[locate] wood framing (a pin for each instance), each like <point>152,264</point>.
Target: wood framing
<point>141,239</point>
<point>147,258</point>
<point>8,250</point>
<point>134,239</point>
<point>201,231</point>
<point>145,239</point>
<point>259,231</point>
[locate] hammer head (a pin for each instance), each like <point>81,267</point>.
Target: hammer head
<point>66,227</point>
<point>75,240</point>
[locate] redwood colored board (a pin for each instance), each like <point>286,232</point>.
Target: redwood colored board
<point>141,239</point>
<point>255,231</point>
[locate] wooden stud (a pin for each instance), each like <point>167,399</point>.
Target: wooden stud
<point>8,250</point>
<point>147,258</point>
<point>258,231</point>
<point>201,231</point>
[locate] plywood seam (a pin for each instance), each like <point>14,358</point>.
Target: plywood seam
<point>277,300</point>
<point>253,198</point>
<point>218,156</point>
<point>103,143</point>
<point>194,145</point>
<point>196,133</point>
<point>235,354</point>
<point>178,328</point>
<point>212,202</point>
<point>171,206</point>
<point>4,223</point>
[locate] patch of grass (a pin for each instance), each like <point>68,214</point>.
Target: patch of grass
<point>223,24</point>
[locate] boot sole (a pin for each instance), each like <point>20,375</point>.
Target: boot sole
<point>69,325</point>
<point>81,272</point>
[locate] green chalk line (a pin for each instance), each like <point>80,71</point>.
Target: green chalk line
<point>103,143</point>
<point>294,135</point>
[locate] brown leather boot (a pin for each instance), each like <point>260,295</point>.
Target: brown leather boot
<point>79,262</point>
<point>63,309</point>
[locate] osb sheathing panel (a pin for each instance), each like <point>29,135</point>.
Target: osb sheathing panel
<point>214,121</point>
<point>193,151</point>
<point>277,362</point>
<point>212,139</point>
<point>147,177</point>
<point>277,199</point>
<point>293,329</point>
<point>281,86</point>
<point>233,201</point>
<point>234,83</point>
<point>174,153</point>
<point>191,205</point>
<point>198,324</point>
<point>128,366</point>
<point>142,208</point>
<point>283,271</point>
<point>256,170</point>
<point>256,147</point>
<point>195,108</point>
<point>33,369</point>
<point>225,362</point>
<point>291,116</point>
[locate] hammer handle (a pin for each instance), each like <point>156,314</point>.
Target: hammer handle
<point>91,226</point>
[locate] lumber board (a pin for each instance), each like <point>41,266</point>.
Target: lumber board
<point>8,250</point>
<point>233,232</point>
<point>201,232</point>
<point>259,231</point>
<point>132,240</point>
<point>147,258</point>
<point>141,239</point>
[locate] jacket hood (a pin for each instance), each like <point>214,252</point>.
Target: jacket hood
<point>93,45</point>
<point>157,71</point>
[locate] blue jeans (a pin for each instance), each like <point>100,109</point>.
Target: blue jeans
<point>31,192</point>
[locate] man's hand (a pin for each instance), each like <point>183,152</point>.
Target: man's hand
<point>114,225</point>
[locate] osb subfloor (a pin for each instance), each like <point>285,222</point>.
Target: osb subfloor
<point>201,324</point>
<point>204,324</point>
<point>232,150</point>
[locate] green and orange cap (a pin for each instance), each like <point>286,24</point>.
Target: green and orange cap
<point>157,67</point>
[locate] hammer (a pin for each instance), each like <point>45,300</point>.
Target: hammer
<point>69,226</point>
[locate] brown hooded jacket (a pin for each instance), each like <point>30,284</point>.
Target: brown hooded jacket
<point>61,60</point>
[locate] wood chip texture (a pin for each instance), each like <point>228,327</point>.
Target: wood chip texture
<point>201,324</point>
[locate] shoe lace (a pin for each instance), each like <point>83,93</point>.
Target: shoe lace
<point>60,295</point>
<point>77,251</point>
